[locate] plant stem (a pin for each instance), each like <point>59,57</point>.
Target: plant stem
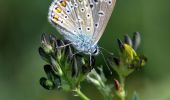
<point>106,97</point>
<point>122,83</point>
<point>81,95</point>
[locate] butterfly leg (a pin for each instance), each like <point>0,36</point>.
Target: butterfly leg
<point>76,53</point>
<point>64,46</point>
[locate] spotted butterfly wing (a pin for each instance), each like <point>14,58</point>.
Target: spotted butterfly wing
<point>71,17</point>
<point>82,22</point>
<point>101,10</point>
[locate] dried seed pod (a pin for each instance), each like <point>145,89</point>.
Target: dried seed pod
<point>127,40</point>
<point>136,40</point>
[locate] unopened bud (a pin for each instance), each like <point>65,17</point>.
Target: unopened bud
<point>117,85</point>
<point>136,40</point>
<point>128,40</point>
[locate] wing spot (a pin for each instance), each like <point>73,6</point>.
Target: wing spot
<point>110,2</point>
<point>66,17</point>
<point>88,29</point>
<point>91,6</point>
<point>68,11</point>
<point>71,6</point>
<point>58,10</point>
<point>101,13</point>
<point>96,1</point>
<point>80,1</point>
<point>87,5</point>
<point>75,5</point>
<point>56,17</point>
<point>82,9</point>
<point>96,25</point>
<point>63,3</point>
<point>88,15</point>
<point>62,22</point>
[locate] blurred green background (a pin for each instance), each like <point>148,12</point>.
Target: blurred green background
<point>23,21</point>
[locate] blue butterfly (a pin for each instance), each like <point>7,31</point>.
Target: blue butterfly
<point>82,22</point>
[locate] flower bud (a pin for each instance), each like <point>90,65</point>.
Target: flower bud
<point>117,85</point>
<point>136,40</point>
<point>120,44</point>
<point>47,84</point>
<point>47,43</point>
<point>128,40</point>
<point>43,54</point>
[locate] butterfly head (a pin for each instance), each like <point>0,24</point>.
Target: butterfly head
<point>94,50</point>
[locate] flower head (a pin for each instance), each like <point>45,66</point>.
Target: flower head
<point>128,59</point>
<point>64,70</point>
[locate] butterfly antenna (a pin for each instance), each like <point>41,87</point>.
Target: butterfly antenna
<point>64,46</point>
<point>76,53</point>
<point>106,62</point>
<point>106,51</point>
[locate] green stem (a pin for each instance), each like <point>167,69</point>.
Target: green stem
<point>81,95</point>
<point>122,83</point>
<point>107,97</point>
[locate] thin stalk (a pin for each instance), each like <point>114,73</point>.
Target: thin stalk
<point>122,91</point>
<point>81,95</point>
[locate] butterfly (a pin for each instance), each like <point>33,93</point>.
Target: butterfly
<point>82,22</point>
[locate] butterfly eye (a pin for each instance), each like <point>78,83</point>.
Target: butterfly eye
<point>95,51</point>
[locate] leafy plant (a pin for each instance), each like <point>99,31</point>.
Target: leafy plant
<point>66,70</point>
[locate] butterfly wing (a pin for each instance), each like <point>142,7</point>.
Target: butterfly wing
<point>71,17</point>
<point>101,11</point>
